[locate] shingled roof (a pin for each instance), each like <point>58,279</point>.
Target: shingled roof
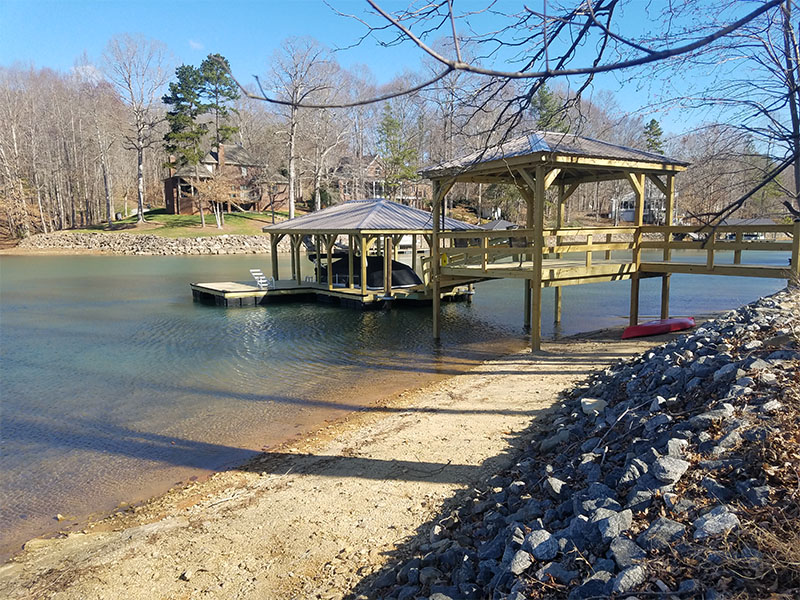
<point>374,214</point>
<point>550,142</point>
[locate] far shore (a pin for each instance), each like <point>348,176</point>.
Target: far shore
<point>313,517</point>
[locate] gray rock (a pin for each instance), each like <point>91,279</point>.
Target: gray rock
<point>385,580</point>
<point>688,587</point>
<point>716,490</point>
<point>554,440</point>
<point>429,575</point>
<point>676,447</point>
<point>542,544</point>
<point>728,372</point>
<point>771,406</point>
<point>613,525</point>
<point>669,469</point>
<point>557,572</point>
<point>556,488</point>
<point>718,521</point>
<point>662,533</point>
<point>756,495</point>
<point>521,561</point>
<point>592,407</point>
<point>629,579</point>
<point>625,552</point>
<point>593,587</point>
<point>705,420</point>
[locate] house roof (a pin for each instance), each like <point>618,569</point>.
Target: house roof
<point>374,214</point>
<point>553,144</point>
<point>755,221</point>
<point>234,155</point>
<point>498,224</point>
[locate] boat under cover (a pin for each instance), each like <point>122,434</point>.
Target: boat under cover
<point>402,274</point>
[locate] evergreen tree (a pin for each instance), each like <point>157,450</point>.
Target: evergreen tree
<point>398,155</point>
<point>184,139</point>
<point>653,137</point>
<point>548,111</point>
<point>218,89</point>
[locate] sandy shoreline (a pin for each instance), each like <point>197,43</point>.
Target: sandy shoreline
<point>312,519</point>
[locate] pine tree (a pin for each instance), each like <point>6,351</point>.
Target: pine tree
<point>184,140</point>
<point>218,89</point>
<point>399,156</point>
<point>653,137</point>
<point>549,111</point>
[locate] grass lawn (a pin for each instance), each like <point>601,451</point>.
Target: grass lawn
<point>158,222</point>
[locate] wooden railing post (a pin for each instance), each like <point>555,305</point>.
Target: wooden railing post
<point>588,250</point>
<point>609,239</point>
<point>737,254</point>
<point>485,254</point>
<point>710,250</point>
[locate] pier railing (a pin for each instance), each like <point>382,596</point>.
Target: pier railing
<point>502,252</point>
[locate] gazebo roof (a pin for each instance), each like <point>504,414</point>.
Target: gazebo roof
<point>374,215</point>
<point>580,155</point>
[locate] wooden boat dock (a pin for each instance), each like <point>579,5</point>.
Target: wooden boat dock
<point>232,294</point>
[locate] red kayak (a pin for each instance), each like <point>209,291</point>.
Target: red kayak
<point>658,327</point>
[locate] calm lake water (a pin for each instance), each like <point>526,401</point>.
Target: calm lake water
<point>115,385</point>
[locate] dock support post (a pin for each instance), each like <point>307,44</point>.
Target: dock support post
<point>414,253</point>
<point>298,269</point>
<point>637,182</point>
<point>435,266</point>
<point>387,265</point>
<point>273,248</point>
<point>291,252</point>
<point>526,323</point>
<point>318,259</point>
<point>350,274</point>
<point>669,214</point>
<point>329,241</point>
<point>440,189</point>
<point>538,247</point>
<point>364,252</point>
<point>534,194</point>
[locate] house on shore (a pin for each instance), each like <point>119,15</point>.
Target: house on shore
<point>357,178</point>
<point>250,189</point>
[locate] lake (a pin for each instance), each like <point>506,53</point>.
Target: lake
<point>115,385</point>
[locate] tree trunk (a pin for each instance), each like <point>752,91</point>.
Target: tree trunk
<point>292,135</point>
<point>791,55</point>
<point>140,181</point>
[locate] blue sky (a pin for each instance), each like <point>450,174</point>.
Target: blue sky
<point>54,34</point>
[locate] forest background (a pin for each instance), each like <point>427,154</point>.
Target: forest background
<point>79,145</point>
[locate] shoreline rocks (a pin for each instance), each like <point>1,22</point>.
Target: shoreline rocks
<point>651,484</point>
<point>151,245</point>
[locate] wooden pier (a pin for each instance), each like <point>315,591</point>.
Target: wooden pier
<point>560,256</point>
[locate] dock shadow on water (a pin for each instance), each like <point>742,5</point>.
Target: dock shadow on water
<point>116,386</point>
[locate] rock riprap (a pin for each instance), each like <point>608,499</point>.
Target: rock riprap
<point>151,245</point>
<point>644,481</point>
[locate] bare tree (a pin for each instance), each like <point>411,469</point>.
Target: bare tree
<point>298,75</point>
<point>138,68</point>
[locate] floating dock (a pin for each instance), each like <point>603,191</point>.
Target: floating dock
<point>232,294</point>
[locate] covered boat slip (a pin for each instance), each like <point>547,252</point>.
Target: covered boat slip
<point>558,256</point>
<point>327,248</point>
